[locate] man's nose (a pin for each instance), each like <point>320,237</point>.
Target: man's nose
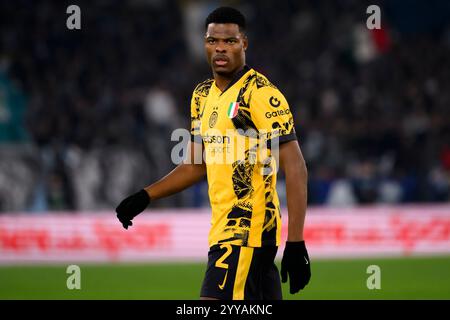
<point>220,48</point>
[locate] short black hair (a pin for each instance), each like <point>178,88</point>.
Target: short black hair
<point>226,15</point>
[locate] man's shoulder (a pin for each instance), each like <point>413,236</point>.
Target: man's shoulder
<point>264,90</point>
<point>261,81</point>
<point>202,89</point>
<point>259,86</point>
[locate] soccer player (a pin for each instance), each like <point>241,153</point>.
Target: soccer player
<point>232,114</point>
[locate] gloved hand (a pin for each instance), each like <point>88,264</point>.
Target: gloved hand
<point>296,263</point>
<point>131,206</point>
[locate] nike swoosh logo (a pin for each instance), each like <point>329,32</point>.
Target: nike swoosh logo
<point>307,262</point>
<point>221,286</point>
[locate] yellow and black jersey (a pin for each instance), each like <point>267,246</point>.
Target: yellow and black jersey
<point>236,127</point>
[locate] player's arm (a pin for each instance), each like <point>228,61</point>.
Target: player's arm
<point>183,176</point>
<point>293,165</point>
<point>191,171</point>
<point>295,262</point>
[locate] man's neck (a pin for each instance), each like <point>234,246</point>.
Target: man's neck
<point>223,81</point>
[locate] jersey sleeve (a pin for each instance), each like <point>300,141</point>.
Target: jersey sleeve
<point>272,115</point>
<point>195,118</point>
<point>197,104</point>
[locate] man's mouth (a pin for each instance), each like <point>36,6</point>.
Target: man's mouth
<point>220,61</point>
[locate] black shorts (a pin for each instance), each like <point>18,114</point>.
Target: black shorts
<point>241,273</point>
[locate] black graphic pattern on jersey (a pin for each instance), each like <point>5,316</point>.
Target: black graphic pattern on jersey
<point>239,218</point>
<point>202,89</point>
<point>239,221</point>
<point>263,82</point>
<point>243,174</point>
<point>283,126</point>
<point>200,92</point>
<point>269,235</point>
<point>243,120</point>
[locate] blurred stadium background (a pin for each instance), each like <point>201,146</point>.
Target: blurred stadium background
<point>86,118</point>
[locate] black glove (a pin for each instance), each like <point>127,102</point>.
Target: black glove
<point>296,263</point>
<point>131,206</point>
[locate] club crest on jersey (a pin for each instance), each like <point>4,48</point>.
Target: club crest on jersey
<point>213,118</point>
<point>233,109</point>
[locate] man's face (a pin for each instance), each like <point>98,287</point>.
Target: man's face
<point>225,47</point>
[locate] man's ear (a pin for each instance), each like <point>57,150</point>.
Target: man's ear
<point>245,40</point>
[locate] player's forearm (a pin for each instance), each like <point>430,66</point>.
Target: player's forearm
<point>180,178</point>
<point>296,192</point>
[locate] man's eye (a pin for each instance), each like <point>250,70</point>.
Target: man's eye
<point>211,41</point>
<point>231,41</point>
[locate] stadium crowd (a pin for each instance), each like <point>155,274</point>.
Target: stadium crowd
<point>371,107</point>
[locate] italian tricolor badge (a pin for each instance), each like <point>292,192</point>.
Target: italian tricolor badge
<point>233,109</point>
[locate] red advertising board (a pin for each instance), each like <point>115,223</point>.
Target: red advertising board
<point>171,235</point>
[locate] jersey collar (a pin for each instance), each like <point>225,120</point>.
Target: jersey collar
<point>236,78</point>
